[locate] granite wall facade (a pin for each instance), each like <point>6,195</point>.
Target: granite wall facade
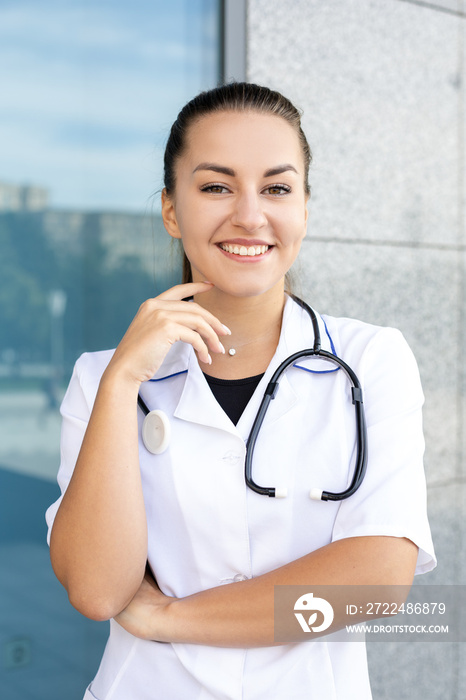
<point>382,87</point>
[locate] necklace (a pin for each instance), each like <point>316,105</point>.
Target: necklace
<point>233,350</point>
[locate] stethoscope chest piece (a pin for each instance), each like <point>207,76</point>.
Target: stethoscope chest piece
<point>156,432</point>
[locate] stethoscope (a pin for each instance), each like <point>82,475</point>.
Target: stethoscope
<point>156,426</point>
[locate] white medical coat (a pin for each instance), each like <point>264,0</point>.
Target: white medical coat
<point>206,528</point>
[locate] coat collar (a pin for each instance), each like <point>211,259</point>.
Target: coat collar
<point>296,334</point>
<point>197,404</point>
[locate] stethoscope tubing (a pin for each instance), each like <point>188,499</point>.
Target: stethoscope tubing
<point>142,405</point>
<point>269,395</point>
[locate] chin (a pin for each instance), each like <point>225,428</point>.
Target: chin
<point>241,286</point>
<point>246,291</point>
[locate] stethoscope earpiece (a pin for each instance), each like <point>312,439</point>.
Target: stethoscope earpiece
<point>281,493</point>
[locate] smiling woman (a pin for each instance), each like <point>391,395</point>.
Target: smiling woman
<point>232,219</point>
<point>162,533</point>
<point>260,101</point>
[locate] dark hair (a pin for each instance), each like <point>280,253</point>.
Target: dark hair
<point>238,97</point>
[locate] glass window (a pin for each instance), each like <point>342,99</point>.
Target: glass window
<point>89,90</point>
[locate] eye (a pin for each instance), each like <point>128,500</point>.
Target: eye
<point>277,190</point>
<point>215,188</point>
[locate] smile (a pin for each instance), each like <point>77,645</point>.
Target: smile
<point>243,250</point>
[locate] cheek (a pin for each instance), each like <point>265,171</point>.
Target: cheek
<point>195,217</point>
<point>294,226</point>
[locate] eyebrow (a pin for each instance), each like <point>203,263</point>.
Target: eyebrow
<point>229,171</point>
<point>280,169</point>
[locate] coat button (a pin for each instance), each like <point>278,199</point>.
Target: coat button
<point>231,458</point>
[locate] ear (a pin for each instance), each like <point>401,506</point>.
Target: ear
<point>169,215</point>
<point>306,216</point>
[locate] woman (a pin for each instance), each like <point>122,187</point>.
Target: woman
<point>236,193</point>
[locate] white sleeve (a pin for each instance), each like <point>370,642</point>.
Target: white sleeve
<point>392,498</point>
<point>75,413</point>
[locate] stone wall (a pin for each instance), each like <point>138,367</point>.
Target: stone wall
<point>382,87</point>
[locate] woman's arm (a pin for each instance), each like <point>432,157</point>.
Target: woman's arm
<point>242,614</point>
<point>98,543</point>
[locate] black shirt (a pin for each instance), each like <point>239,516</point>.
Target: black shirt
<point>233,394</point>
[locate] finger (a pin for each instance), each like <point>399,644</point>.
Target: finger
<point>209,318</point>
<point>193,338</point>
<point>171,298</point>
<point>195,318</point>
<point>181,291</point>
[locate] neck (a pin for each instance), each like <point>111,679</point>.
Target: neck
<point>255,324</point>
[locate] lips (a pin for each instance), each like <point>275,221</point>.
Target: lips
<point>243,251</point>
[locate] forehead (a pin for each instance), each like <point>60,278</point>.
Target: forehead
<point>243,137</point>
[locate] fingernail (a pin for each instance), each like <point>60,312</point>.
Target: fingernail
<point>221,347</point>
<point>209,360</point>
<point>227,330</point>
<point>207,282</point>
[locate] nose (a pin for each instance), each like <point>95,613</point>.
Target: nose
<point>248,212</point>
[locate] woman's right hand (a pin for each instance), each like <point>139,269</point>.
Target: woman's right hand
<point>99,538</point>
<point>161,322</point>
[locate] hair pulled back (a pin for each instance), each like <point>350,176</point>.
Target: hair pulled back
<point>237,97</point>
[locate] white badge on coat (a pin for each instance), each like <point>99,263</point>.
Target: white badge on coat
<point>156,432</point>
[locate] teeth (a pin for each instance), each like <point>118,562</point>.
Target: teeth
<point>243,250</point>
